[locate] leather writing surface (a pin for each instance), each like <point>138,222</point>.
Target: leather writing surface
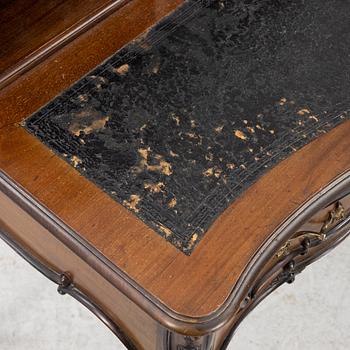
<point>177,124</point>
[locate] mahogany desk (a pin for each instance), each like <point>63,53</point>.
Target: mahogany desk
<point>170,164</point>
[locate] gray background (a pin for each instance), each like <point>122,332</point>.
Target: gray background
<point>312,313</point>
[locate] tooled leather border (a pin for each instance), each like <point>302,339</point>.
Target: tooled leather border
<point>151,305</point>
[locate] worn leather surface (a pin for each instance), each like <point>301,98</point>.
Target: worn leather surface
<point>176,125</point>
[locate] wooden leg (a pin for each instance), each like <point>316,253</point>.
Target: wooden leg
<point>174,341</point>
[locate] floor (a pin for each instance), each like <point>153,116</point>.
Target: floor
<point>311,314</point>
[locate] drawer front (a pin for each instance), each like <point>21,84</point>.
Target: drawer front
<point>320,234</point>
<point>314,238</point>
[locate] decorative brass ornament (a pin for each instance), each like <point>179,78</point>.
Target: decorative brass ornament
<point>335,216</point>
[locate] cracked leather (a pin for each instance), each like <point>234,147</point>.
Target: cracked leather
<point>177,124</point>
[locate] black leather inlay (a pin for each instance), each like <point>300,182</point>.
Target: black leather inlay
<point>179,122</point>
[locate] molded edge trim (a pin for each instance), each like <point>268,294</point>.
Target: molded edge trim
<point>66,286</point>
<point>265,294</point>
<point>58,42</point>
<point>147,302</point>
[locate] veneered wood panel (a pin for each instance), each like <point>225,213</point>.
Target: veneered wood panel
<point>31,28</point>
<point>64,67</point>
<point>196,286</point>
<point>204,280</point>
<point>35,238</point>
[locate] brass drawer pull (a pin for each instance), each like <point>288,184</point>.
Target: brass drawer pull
<point>334,217</point>
<point>306,239</point>
<point>285,267</point>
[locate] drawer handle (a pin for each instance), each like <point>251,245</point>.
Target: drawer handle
<point>285,267</point>
<point>333,223</point>
<point>334,217</point>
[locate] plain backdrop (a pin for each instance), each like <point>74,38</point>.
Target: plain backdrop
<point>311,314</point>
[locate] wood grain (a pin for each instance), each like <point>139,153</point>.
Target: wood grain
<point>197,287</point>
<point>204,280</point>
<point>34,238</point>
<point>29,92</point>
<point>30,30</point>
<point>145,332</point>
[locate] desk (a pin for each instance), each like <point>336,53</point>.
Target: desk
<point>188,176</point>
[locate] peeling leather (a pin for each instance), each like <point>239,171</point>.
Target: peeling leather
<point>177,124</point>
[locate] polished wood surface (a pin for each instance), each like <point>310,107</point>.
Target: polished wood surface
<point>67,65</point>
<point>202,291</point>
<point>53,253</point>
<point>145,332</point>
<point>32,29</point>
<point>204,281</point>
